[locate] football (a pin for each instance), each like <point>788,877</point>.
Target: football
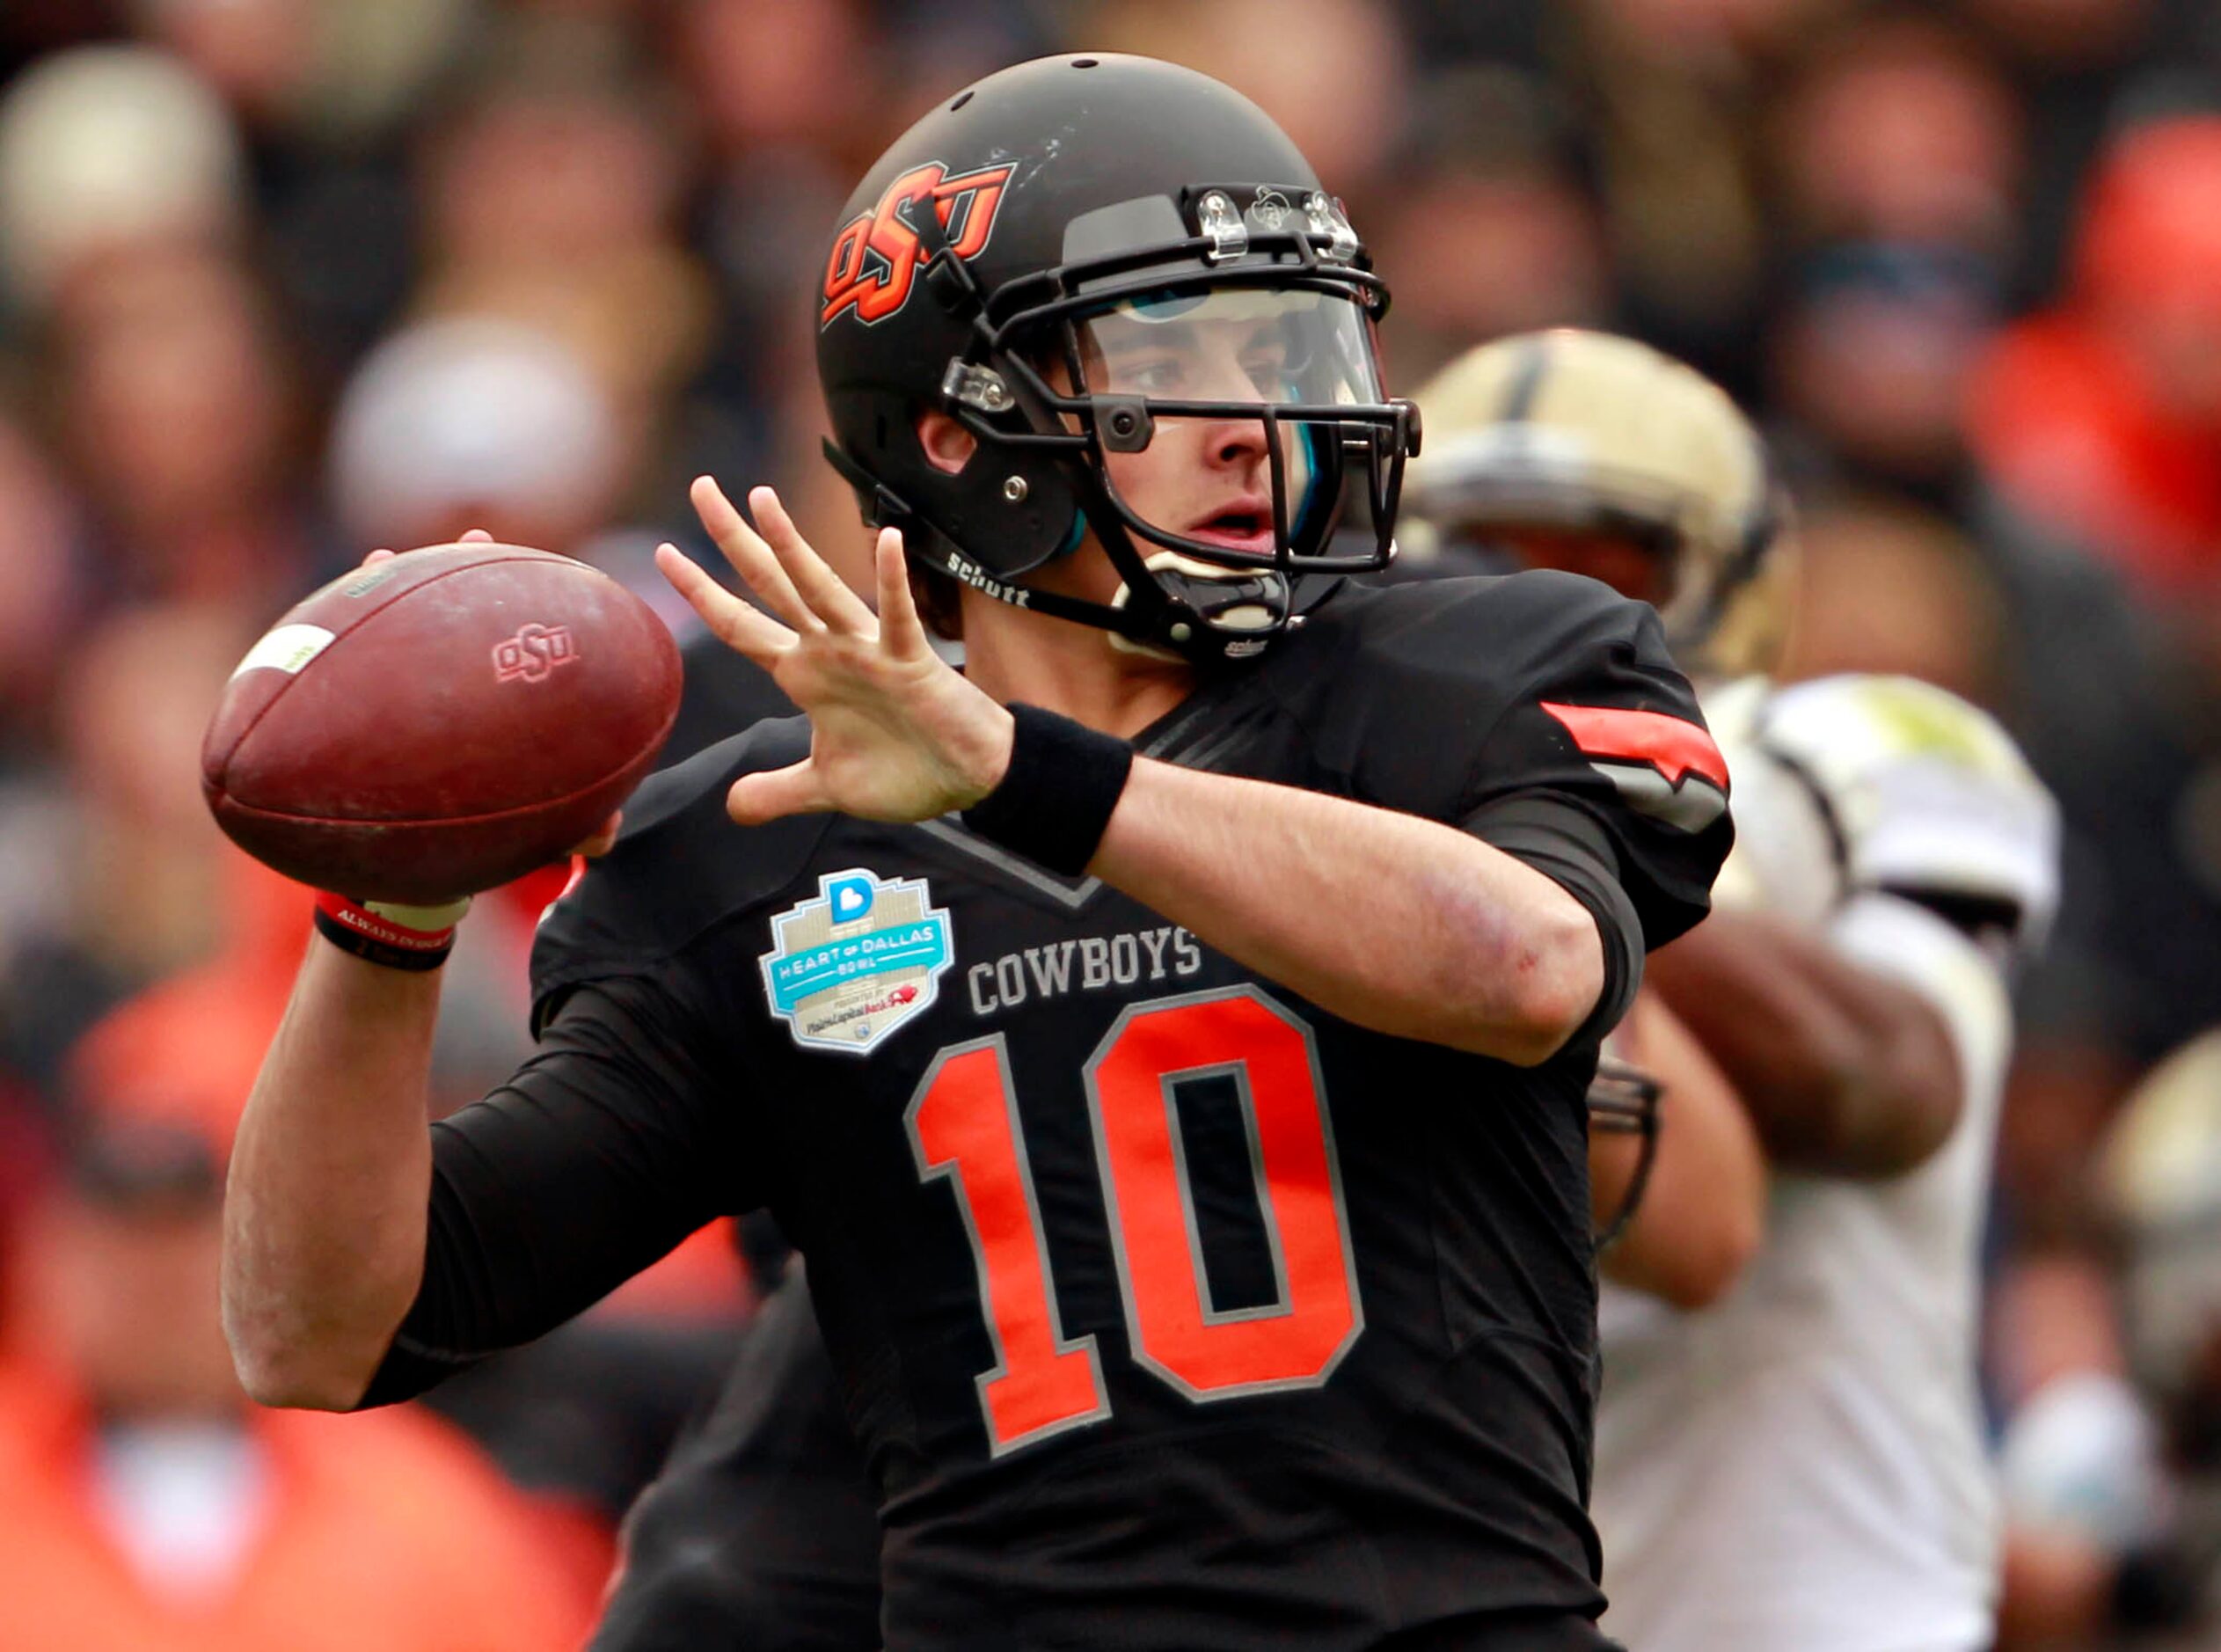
<point>440,722</point>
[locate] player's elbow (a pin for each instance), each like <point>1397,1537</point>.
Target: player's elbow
<point>292,1372</point>
<point>296,1384</point>
<point>1708,1267</point>
<point>1553,987</point>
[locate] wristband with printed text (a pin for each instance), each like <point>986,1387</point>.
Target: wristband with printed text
<point>398,936</point>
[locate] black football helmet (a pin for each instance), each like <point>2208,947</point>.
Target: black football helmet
<point>1042,257</point>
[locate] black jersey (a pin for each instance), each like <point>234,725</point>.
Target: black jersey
<point>1169,1310</point>
<point>760,1532</point>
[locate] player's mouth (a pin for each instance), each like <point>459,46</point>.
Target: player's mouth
<point>1241,524</point>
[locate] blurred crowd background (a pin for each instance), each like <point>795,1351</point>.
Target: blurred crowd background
<point>282,280</point>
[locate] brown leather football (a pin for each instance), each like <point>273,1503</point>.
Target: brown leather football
<point>440,722</point>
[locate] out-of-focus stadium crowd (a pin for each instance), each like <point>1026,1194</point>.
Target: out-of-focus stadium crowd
<point>283,279</point>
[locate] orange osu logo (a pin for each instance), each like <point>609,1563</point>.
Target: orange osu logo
<point>535,651</point>
<point>875,257</point>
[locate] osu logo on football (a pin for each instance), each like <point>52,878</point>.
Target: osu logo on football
<point>875,256</point>
<point>535,651</point>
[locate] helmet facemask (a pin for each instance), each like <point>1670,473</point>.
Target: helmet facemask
<point>1076,374</point>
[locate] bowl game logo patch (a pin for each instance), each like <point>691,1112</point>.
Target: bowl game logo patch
<point>849,967</point>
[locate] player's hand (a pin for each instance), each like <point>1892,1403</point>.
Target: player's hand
<point>895,733</point>
<point>469,536</point>
<point>604,836</point>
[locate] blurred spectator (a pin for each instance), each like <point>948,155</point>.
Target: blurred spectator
<point>41,589</point>
<point>129,867</point>
<point>2082,1486</point>
<point>148,1506</point>
<point>831,73</point>
<point>2113,1491</point>
<point>1899,129</point>
<point>1490,229</point>
<point>1886,587</point>
<point>471,422</point>
<point>1871,345</point>
<point>106,146</point>
<point>1334,74</point>
<point>2103,415</point>
<point>179,413</point>
<point>1671,92</point>
<point>1897,151</point>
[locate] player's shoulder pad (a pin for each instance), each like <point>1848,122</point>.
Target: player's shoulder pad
<point>680,863</point>
<point>1930,798</point>
<point>1400,685</point>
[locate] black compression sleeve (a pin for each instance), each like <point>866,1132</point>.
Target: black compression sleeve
<point>603,1152</point>
<point>1566,843</point>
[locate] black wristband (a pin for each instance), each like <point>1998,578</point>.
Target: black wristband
<point>372,950</point>
<point>1057,797</point>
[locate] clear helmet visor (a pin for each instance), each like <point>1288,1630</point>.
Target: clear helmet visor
<point>1222,416</point>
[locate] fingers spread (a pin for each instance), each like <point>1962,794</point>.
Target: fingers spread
<point>751,559</point>
<point>829,595</point>
<point>734,622</point>
<point>901,630</point>
<point>776,792</point>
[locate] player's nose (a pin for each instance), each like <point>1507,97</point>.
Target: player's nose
<point>1237,443</point>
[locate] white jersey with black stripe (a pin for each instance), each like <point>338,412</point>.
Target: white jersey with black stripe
<point>1801,1465</point>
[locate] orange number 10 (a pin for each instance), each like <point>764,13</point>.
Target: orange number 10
<point>963,1124</point>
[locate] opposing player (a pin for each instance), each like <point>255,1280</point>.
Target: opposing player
<point>1167,1041</point>
<point>1801,1465</point>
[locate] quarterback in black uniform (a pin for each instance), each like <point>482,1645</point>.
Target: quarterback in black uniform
<point>1167,1040</point>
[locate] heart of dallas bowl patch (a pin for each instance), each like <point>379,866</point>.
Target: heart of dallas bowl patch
<point>849,967</point>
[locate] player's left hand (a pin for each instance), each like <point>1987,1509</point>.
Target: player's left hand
<point>895,733</point>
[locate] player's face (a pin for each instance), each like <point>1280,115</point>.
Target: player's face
<point>1204,478</point>
<point>1207,476</point>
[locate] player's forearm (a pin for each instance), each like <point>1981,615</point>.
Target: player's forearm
<point>325,1213</point>
<point>1703,1210</point>
<point>1842,1071</point>
<point>1394,923</point>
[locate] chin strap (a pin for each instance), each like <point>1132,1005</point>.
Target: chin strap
<point>1142,614</point>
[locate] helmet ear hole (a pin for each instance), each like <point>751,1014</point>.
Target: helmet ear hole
<point>948,446</point>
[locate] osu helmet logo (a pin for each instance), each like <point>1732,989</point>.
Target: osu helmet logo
<point>535,651</point>
<point>875,256</point>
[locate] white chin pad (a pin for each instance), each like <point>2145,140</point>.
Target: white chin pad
<point>1249,616</point>
<point>1192,568</point>
<point>1123,644</point>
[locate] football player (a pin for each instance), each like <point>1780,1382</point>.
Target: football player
<point>1167,1039</point>
<point>1801,1465</point>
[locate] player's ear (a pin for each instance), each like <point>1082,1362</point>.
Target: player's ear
<point>949,446</point>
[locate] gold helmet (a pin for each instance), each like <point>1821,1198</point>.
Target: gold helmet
<point>1590,433</point>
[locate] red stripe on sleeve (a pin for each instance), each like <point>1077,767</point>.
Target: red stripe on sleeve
<point>1674,746</point>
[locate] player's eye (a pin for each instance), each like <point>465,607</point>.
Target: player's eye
<point>1268,368</point>
<point>1152,375</point>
